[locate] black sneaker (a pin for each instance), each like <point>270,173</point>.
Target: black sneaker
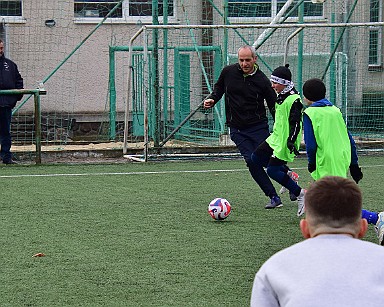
<point>9,161</point>
<point>292,196</point>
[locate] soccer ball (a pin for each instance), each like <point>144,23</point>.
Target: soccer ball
<point>219,208</point>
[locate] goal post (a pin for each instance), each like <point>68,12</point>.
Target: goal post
<point>192,70</point>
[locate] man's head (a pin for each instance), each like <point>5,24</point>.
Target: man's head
<point>313,90</point>
<point>247,57</point>
<point>281,78</point>
<point>333,206</point>
<point>1,48</point>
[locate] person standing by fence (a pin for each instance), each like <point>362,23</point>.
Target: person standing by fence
<point>10,78</point>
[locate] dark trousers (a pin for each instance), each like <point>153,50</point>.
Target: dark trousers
<point>247,140</point>
<point>5,133</point>
<point>276,169</point>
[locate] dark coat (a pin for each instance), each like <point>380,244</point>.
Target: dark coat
<point>10,78</point>
<point>244,96</point>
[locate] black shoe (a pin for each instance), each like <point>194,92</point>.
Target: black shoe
<point>9,161</point>
<point>292,196</point>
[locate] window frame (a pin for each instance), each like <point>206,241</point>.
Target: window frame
<point>274,11</point>
<point>379,43</point>
<point>125,15</point>
<point>14,18</point>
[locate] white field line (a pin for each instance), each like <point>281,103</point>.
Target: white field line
<point>146,173</point>
<point>123,173</point>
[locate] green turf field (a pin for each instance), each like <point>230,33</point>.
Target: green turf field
<point>139,234</point>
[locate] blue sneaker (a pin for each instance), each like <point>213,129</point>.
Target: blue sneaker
<point>274,203</point>
<point>379,228</point>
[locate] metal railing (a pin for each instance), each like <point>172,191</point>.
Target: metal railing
<point>37,114</point>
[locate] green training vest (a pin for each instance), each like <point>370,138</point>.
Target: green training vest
<point>278,139</point>
<point>333,155</point>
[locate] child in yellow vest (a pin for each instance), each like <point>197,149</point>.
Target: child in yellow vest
<point>283,143</point>
<point>331,150</point>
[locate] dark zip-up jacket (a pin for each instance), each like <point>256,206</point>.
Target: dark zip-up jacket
<point>244,96</point>
<point>10,79</point>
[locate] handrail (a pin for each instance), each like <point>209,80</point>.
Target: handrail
<point>36,93</point>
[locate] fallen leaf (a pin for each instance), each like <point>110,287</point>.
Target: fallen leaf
<point>39,255</point>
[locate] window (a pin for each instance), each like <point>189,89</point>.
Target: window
<point>129,9</point>
<point>310,9</point>
<point>10,8</point>
<point>375,34</point>
<point>269,8</point>
<point>249,8</point>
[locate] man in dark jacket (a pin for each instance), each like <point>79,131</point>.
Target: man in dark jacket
<point>10,78</point>
<point>246,88</point>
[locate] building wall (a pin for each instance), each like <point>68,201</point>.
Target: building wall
<point>80,86</point>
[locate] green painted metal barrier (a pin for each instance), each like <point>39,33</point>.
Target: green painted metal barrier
<point>36,93</point>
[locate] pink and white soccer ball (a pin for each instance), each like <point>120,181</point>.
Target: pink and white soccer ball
<point>219,208</point>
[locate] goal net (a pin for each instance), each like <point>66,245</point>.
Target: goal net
<point>134,73</point>
<point>170,78</point>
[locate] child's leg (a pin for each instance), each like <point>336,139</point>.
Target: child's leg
<point>277,173</point>
<point>371,217</point>
<point>377,219</point>
<point>294,176</point>
<point>379,227</point>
